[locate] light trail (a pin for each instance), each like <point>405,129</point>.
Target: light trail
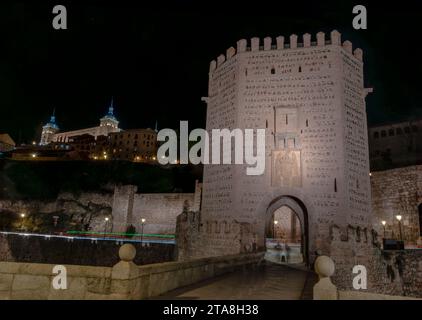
<point>122,234</point>
<point>95,239</point>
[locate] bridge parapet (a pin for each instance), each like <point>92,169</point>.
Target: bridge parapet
<point>125,280</point>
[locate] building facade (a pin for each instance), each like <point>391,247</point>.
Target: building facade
<point>51,131</point>
<point>139,145</point>
<point>90,147</point>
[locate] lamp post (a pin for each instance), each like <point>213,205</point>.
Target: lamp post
<point>22,219</point>
<point>275,225</point>
<point>105,227</point>
<point>398,217</point>
<point>142,231</point>
<point>383,222</point>
<point>55,220</point>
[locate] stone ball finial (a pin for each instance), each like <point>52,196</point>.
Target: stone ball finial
<point>324,266</point>
<point>127,252</point>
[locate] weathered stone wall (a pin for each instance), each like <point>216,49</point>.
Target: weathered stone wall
<point>87,211</point>
<point>389,272</point>
<point>160,210</point>
<point>123,200</point>
<point>397,191</point>
<point>324,289</point>
<point>192,232</point>
<point>16,248</point>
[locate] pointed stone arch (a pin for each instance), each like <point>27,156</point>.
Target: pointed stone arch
<point>300,210</point>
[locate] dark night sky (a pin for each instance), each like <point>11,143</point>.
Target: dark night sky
<point>154,59</point>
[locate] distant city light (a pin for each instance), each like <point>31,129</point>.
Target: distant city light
<point>398,217</point>
<point>34,155</point>
<point>383,222</point>
<point>22,215</point>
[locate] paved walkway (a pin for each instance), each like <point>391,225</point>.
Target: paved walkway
<point>270,282</point>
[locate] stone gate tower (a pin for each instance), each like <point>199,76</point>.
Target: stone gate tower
<point>310,98</point>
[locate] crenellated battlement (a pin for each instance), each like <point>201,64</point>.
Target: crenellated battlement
<point>280,43</point>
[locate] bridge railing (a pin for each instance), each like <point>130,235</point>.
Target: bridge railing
<point>125,280</point>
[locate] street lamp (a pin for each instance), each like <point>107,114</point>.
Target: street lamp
<point>55,220</point>
<point>105,227</point>
<point>142,230</point>
<point>23,217</point>
<point>383,225</point>
<point>398,217</point>
<point>275,224</point>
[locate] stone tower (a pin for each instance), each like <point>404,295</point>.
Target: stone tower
<point>49,130</point>
<point>310,98</point>
<point>109,120</point>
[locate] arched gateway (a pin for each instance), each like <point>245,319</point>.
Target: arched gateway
<point>298,209</point>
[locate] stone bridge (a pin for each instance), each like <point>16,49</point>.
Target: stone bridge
<point>242,276</point>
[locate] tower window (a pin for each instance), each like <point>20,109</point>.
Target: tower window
<point>376,135</point>
<point>300,69</point>
<point>383,133</point>
<point>272,70</point>
<point>391,132</point>
<point>335,184</point>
